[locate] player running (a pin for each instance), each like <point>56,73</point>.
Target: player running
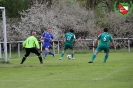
<point>31,45</point>
<point>104,38</point>
<point>69,40</point>
<point>48,38</point>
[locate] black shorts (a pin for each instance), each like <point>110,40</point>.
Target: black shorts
<point>32,50</point>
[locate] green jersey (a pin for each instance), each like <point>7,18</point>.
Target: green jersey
<point>31,42</point>
<point>105,38</point>
<point>69,38</point>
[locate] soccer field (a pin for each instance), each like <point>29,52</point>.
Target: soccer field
<point>78,73</point>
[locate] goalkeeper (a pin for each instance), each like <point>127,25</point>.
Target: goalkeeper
<point>31,45</point>
<point>104,38</point>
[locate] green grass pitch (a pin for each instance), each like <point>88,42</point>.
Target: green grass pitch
<point>78,73</point>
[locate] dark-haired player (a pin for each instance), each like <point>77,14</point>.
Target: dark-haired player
<point>104,39</point>
<point>69,40</point>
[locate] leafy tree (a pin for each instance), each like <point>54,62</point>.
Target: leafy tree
<point>13,7</point>
<point>60,17</point>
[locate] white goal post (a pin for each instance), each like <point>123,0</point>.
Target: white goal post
<point>4,31</point>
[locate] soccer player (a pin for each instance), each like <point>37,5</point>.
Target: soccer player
<point>48,38</point>
<point>104,38</point>
<point>31,45</point>
<point>69,40</point>
<point>98,33</point>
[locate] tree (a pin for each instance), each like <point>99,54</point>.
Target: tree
<point>61,16</point>
<point>13,7</point>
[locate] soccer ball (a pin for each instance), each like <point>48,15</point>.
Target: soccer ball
<point>69,57</point>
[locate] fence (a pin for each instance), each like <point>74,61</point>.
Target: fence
<point>56,46</point>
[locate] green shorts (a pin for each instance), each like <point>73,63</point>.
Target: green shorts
<point>100,48</point>
<point>70,46</point>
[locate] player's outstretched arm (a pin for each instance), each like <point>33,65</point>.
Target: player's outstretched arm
<point>114,45</point>
<point>63,38</point>
<point>24,43</point>
<point>42,38</point>
<point>36,43</point>
<point>78,39</point>
<point>96,43</point>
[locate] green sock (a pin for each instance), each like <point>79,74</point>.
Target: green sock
<point>72,55</point>
<point>62,54</point>
<point>106,57</point>
<point>93,57</point>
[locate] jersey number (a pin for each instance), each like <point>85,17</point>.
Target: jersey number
<point>29,40</point>
<point>104,39</point>
<point>69,38</point>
